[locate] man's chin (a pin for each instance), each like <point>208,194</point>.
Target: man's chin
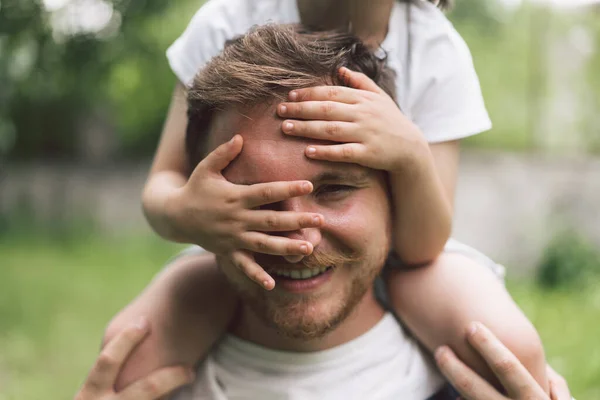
<point>298,317</point>
<point>303,317</point>
<point>304,322</point>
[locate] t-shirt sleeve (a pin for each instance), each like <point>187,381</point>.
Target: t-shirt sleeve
<point>205,36</point>
<point>445,98</point>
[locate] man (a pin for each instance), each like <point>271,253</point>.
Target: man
<point>325,336</point>
<point>336,309</point>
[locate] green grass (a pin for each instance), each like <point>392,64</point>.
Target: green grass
<point>56,297</point>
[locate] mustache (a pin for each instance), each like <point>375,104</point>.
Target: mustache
<point>318,259</point>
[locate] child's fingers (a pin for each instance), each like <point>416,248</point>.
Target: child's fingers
<point>108,364</point>
<point>218,159</point>
<point>320,110</point>
<point>341,94</point>
<point>275,245</point>
<point>281,221</point>
<point>559,390</point>
<point>470,385</point>
<point>246,263</point>
<point>348,153</point>
<point>515,378</point>
<point>157,384</point>
<point>272,192</point>
<point>358,80</point>
<point>335,131</point>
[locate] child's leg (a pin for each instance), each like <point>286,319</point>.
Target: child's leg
<point>189,306</point>
<point>439,301</point>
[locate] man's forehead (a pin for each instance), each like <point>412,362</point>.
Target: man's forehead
<point>269,155</point>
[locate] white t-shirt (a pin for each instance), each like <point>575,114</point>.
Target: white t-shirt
<point>383,363</point>
<point>440,93</point>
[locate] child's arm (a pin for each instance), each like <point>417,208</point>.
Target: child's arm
<point>438,303</point>
<point>189,306</point>
<point>422,211</point>
<point>170,170</point>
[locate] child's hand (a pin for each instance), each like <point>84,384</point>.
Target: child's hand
<point>372,129</point>
<point>100,382</point>
<point>222,217</point>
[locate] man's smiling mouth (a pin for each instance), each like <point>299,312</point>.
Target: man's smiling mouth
<point>300,274</point>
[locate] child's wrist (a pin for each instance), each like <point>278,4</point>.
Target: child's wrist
<point>172,215</point>
<point>414,158</point>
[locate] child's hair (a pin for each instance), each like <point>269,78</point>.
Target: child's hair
<point>265,64</point>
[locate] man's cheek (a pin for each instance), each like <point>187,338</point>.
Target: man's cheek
<point>353,222</point>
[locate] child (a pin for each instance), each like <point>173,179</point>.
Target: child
<point>439,92</point>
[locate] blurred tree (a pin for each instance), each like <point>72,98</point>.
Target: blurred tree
<point>55,72</point>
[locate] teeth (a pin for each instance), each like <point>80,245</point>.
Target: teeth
<point>285,273</point>
<point>300,273</point>
<point>295,274</point>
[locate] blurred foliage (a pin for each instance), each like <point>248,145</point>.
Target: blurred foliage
<point>509,68</point>
<point>52,81</point>
<point>56,83</point>
<point>592,78</point>
<point>569,260</point>
<point>512,54</point>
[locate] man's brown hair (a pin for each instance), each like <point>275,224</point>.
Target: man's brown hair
<point>265,64</point>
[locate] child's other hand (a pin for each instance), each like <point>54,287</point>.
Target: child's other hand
<point>223,217</point>
<point>100,383</point>
<point>366,122</point>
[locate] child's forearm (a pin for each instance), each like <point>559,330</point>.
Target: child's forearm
<point>156,203</point>
<point>170,170</point>
<point>438,303</point>
<point>185,317</point>
<point>422,210</point>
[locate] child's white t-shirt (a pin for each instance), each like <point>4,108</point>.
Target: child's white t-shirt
<point>440,93</point>
<point>382,364</point>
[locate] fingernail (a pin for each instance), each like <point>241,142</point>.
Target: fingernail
<point>306,186</point>
<point>288,126</point>
<point>311,151</point>
<point>267,284</point>
<point>304,249</point>
<point>293,95</point>
<point>141,324</point>
<point>282,109</point>
<point>232,140</point>
<point>473,328</point>
<point>316,220</point>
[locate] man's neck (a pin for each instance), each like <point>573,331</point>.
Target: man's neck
<point>366,19</point>
<point>365,316</point>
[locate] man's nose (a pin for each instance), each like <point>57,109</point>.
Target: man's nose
<point>311,235</point>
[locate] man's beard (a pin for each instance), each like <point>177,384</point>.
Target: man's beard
<point>296,316</point>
